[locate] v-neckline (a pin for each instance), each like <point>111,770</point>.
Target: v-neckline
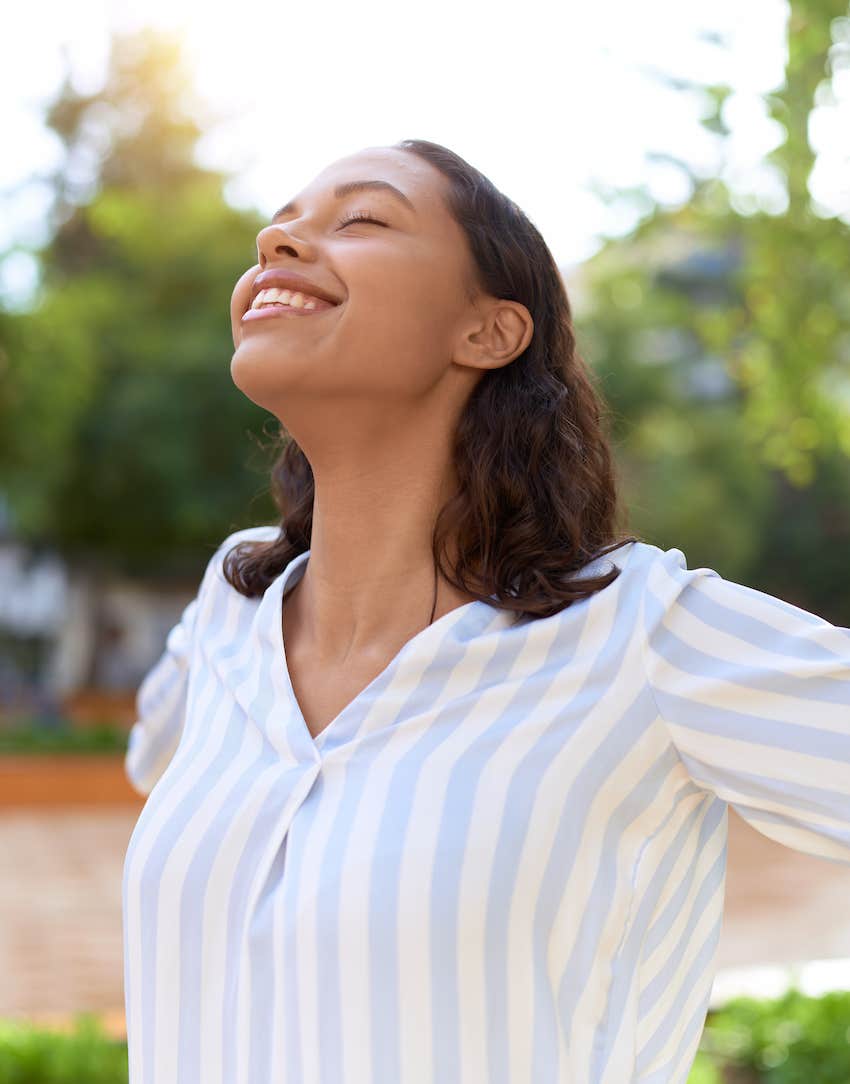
<point>298,565</point>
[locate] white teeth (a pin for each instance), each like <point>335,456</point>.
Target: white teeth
<point>274,296</point>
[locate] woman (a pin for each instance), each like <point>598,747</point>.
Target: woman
<point>426,810</point>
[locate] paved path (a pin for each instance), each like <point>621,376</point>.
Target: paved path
<point>60,909</point>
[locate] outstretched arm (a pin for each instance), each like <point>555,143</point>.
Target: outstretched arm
<point>160,706</point>
<point>755,694</point>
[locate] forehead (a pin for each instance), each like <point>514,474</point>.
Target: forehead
<point>417,179</point>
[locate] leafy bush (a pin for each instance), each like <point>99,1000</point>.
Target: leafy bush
<point>793,1039</point>
<point>98,738</point>
<point>87,1055</point>
<point>705,1071</point>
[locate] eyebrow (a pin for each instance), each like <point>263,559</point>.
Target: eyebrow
<point>346,189</point>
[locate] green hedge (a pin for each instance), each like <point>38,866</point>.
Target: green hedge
<point>793,1039</point>
<point>790,1040</point>
<point>34,1055</point>
<point>102,737</point>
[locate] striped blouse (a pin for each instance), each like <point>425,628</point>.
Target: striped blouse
<point>502,862</point>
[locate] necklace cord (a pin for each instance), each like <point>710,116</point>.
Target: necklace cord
<point>434,607</point>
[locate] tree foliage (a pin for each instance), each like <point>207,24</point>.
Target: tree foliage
<point>124,438</point>
<point>721,333</point>
<point>722,336</point>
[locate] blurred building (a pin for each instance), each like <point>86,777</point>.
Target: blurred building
<point>64,629</point>
<point>678,261</point>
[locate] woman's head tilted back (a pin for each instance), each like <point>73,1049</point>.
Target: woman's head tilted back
<point>449,317</point>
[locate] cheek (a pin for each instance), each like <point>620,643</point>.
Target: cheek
<point>239,301</point>
<point>399,327</point>
<point>403,347</point>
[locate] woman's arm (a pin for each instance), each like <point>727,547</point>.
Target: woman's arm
<point>161,696</point>
<point>160,706</point>
<point>755,694</point>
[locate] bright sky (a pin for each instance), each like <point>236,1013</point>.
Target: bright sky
<point>544,97</point>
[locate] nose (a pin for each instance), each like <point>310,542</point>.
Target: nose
<point>272,241</point>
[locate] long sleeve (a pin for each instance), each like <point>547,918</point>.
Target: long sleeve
<point>160,706</point>
<point>755,695</point>
<point>161,695</point>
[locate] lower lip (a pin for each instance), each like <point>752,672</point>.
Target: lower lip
<point>281,310</point>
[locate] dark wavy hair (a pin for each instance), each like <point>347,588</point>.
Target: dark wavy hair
<point>537,495</point>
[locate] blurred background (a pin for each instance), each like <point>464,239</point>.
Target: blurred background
<point>688,164</point>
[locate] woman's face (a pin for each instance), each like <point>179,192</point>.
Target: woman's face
<point>402,309</point>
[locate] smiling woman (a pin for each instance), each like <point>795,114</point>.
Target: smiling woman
<point>488,845</point>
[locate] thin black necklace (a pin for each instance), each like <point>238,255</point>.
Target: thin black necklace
<point>434,607</point>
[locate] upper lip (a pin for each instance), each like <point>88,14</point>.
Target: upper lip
<point>289,280</point>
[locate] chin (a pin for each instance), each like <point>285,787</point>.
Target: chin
<point>265,377</point>
<point>252,373</point>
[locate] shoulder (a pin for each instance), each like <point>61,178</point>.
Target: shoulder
<point>633,559</point>
<point>214,573</point>
<point>665,573</point>
<point>266,532</point>
<point>645,561</point>
<point>647,570</point>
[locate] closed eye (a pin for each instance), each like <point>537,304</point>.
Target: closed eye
<point>359,217</point>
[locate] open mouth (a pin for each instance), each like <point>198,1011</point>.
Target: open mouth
<point>280,310</point>
<point>276,302</point>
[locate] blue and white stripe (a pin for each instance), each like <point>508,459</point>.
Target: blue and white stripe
<point>504,860</point>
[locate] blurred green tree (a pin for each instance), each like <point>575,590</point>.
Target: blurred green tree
<point>124,438</point>
<point>721,332</point>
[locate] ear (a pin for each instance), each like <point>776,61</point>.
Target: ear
<point>499,332</point>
